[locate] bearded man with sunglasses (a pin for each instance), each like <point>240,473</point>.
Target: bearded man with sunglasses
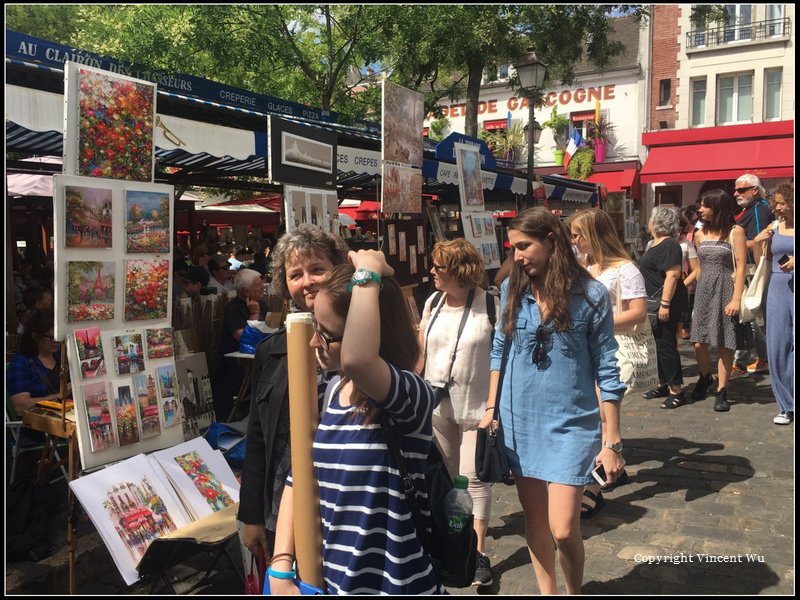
<point>754,216</point>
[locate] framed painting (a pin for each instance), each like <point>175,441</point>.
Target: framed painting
<point>159,342</point>
<point>146,289</point>
<point>90,352</point>
<point>168,390</point>
<point>125,413</point>
<point>147,222</point>
<point>101,432</point>
<point>128,354</point>
<point>144,386</point>
<point>90,290</point>
<point>87,217</point>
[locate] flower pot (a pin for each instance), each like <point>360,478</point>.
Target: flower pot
<point>558,156</point>
<point>600,147</point>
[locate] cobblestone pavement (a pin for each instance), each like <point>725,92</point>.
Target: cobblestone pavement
<point>705,487</point>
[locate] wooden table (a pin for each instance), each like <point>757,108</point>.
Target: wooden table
<point>57,426</point>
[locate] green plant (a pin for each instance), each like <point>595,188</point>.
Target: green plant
<point>507,144</point>
<point>558,125</point>
<point>599,130</point>
<point>580,165</point>
<point>437,127</point>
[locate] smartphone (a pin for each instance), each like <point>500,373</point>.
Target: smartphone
<point>782,260</point>
<point>599,474</point>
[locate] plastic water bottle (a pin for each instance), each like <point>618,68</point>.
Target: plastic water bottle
<point>457,505</point>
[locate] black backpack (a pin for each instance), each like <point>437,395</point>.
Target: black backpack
<point>453,557</point>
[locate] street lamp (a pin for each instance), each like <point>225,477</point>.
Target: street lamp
<point>531,72</point>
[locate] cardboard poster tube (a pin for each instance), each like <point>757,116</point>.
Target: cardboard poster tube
<point>303,421</point>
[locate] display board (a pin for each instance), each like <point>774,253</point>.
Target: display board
<point>401,149</point>
<point>300,154</point>
<point>404,247</point>
<point>479,230</point>
<point>313,206</point>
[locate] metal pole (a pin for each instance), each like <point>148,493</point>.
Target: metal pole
<point>529,195</point>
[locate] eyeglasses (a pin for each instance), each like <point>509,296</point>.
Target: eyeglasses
<point>742,190</point>
<point>325,340</point>
<point>540,349</point>
<point>439,268</point>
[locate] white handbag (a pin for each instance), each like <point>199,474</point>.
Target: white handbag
<point>636,356</point>
<point>753,296</point>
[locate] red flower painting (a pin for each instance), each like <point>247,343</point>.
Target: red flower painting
<point>146,289</point>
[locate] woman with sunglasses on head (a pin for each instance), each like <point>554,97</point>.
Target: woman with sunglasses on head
<point>595,236</point>
<point>302,259</point>
<point>364,332</point>
<point>455,336</point>
<point>560,327</point>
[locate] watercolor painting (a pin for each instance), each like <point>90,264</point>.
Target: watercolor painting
<point>159,342</point>
<point>420,239</point>
<point>401,241</point>
<point>125,412</point>
<point>204,480</point>
<point>115,138</point>
<point>477,227</point>
<point>90,352</point>
<point>470,185</point>
<point>101,432</point>
<point>146,289</point>
<point>488,225</point>
<point>168,390</point>
<point>147,222</point>
<point>144,386</point>
<point>87,217</point>
<point>130,504</point>
<point>90,290</point>
<point>128,354</point>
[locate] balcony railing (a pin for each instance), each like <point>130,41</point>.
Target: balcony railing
<point>726,34</point>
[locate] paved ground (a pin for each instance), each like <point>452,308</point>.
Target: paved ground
<point>704,486</point>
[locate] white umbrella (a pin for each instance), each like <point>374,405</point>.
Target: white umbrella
<point>345,219</point>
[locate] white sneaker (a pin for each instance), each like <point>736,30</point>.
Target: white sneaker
<point>783,419</point>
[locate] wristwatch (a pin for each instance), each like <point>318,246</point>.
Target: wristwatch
<point>616,447</point>
<point>363,277</point>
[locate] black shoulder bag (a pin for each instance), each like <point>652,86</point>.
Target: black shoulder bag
<point>453,556</point>
<point>491,463</point>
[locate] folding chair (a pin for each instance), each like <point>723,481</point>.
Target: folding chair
<point>18,442</point>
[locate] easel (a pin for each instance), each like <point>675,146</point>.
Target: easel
<point>56,425</point>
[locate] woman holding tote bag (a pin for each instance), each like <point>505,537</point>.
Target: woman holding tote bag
<point>595,236</point>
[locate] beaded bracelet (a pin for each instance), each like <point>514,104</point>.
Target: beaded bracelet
<point>281,574</point>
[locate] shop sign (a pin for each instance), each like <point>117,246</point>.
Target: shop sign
<point>446,149</point>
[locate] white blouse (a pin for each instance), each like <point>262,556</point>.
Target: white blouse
<point>470,376</point>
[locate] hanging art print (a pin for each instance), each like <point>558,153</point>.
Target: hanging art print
<point>159,342</point>
<point>101,432</point>
<point>87,217</point>
<point>470,185</point>
<point>90,352</point>
<point>125,412</point>
<point>144,386</point>
<point>146,289</point>
<point>90,290</point>
<point>167,387</point>
<point>115,133</point>
<point>147,222</point>
<point>128,354</point>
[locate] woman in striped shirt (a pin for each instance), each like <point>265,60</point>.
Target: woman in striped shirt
<point>364,331</point>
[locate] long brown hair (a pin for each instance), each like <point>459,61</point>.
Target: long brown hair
<point>398,347</point>
<point>563,269</point>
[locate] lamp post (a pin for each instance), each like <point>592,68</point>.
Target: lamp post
<point>531,72</point>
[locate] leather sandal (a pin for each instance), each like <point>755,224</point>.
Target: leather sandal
<point>587,510</point>
<point>661,391</point>
<point>674,401</point>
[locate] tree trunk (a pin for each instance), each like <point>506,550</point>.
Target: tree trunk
<point>473,94</point>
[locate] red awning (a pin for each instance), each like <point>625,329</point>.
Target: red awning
<point>723,160</point>
<point>495,125</point>
<point>366,210</point>
<point>618,181</point>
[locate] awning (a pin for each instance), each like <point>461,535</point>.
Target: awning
<point>764,158</point>
<point>618,181</point>
<point>495,125</point>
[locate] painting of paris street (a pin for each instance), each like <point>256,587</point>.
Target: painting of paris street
<point>147,222</point>
<point>88,217</point>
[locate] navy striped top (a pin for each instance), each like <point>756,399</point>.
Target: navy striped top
<point>370,545</point>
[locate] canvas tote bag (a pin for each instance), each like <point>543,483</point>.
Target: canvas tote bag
<point>636,356</point>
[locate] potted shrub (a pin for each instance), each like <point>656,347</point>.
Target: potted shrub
<point>558,124</point>
<point>580,165</point>
<point>598,135</point>
<point>507,144</point>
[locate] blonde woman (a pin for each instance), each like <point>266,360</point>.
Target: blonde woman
<point>595,236</point>
<point>455,361</point>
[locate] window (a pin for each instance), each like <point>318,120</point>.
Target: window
<point>502,72</point>
<point>739,18</point>
<point>775,18</point>
<point>669,195</point>
<point>664,92</point>
<point>698,116</point>
<point>772,94</point>
<point>735,99</point>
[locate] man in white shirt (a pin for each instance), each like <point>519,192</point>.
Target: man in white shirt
<point>220,272</point>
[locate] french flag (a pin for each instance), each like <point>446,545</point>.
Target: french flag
<point>575,142</point>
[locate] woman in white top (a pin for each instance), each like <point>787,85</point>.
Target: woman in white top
<point>595,236</point>
<point>457,367</point>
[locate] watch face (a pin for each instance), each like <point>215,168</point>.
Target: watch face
<point>361,276</point>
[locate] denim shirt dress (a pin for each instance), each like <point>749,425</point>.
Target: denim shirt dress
<point>549,411</point>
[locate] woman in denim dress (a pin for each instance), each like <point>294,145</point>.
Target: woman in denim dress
<point>560,326</point>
